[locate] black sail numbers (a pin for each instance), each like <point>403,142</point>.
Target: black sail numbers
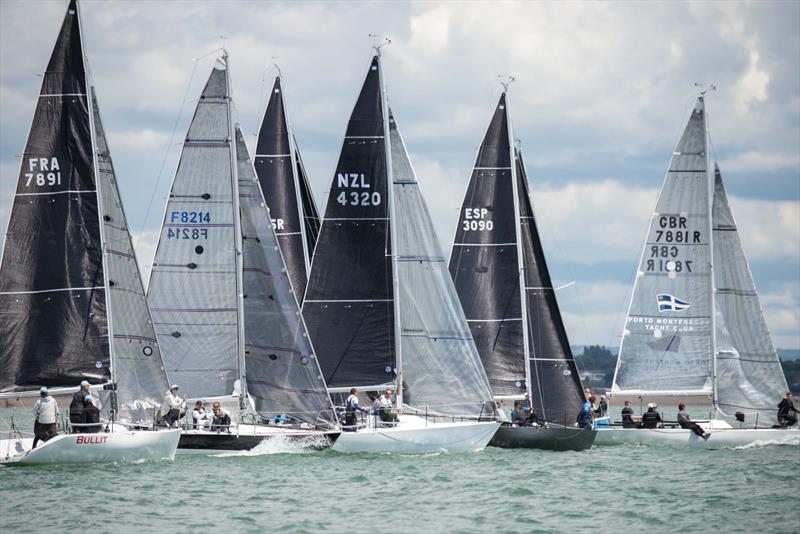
<point>349,300</point>
<point>54,329</point>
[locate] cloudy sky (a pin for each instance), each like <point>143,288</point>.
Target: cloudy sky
<point>603,91</point>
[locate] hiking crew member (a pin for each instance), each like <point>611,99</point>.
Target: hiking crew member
<point>651,418</point>
<point>351,405</point>
<point>222,419</point>
<point>46,412</point>
<point>685,422</point>
<point>173,407</point>
<point>76,406</point>
<point>627,416</point>
<point>786,412</point>
<point>585,415</point>
<point>91,416</point>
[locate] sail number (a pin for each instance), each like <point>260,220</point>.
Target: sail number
<point>187,233</point>
<point>475,220</point>
<point>672,229</point>
<point>188,217</point>
<point>352,180</point>
<point>666,261</point>
<point>42,172</point>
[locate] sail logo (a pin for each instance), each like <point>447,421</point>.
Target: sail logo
<point>667,302</point>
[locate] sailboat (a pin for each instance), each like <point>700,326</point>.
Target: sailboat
<point>695,328</point>
<point>500,273</point>
<point>380,305</point>
<point>286,190</point>
<point>71,297</point>
<point>222,300</point>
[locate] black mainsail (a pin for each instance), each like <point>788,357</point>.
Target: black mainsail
<point>69,265</point>
<point>349,303</point>
<point>499,270</point>
<point>285,186</point>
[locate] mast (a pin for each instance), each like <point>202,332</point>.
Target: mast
<point>520,258</point>
<point>101,217</point>
<point>713,314</point>
<point>392,234</point>
<point>237,232</point>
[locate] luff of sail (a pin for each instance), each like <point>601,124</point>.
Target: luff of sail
<point>309,205</point>
<point>137,362</point>
<point>556,389</point>
<point>283,376</point>
<point>442,371</point>
<point>278,167</point>
<point>667,342</point>
<point>349,303</point>
<point>193,289</point>
<point>54,326</point>
<point>484,261</point>
<point>749,376</point>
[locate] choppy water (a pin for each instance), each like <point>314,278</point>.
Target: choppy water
<point>605,489</point>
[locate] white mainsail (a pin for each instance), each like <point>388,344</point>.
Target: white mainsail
<point>667,341</point>
<point>749,377</point>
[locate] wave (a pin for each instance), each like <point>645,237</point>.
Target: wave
<point>281,445</point>
<point>792,440</point>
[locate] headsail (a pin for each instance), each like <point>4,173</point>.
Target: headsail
<point>349,304</point>
<point>556,389</point>
<point>667,342</point>
<point>193,284</point>
<point>54,324</point>
<point>309,205</point>
<point>442,370</point>
<point>484,261</point>
<point>285,188</point>
<point>137,362</point>
<point>283,376</point>
<point>749,374</point>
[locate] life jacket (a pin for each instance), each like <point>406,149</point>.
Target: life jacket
<point>650,419</point>
<point>76,406</point>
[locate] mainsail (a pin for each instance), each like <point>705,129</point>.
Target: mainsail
<point>69,278</point>
<point>667,343</point>
<point>442,369</point>
<point>194,287</point>
<point>284,184</point>
<point>518,330</point>
<point>349,303</point>
<point>748,372</point>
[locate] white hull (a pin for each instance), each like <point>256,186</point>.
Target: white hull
<point>720,437</point>
<point>413,435</point>
<point>117,446</point>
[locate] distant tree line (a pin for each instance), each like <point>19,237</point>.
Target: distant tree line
<point>600,362</point>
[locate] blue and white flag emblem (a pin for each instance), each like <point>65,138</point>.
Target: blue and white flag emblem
<point>668,302</point>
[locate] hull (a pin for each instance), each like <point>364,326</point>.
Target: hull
<point>681,437</point>
<point>247,437</point>
<point>117,446</point>
<point>546,438</point>
<point>414,436</point>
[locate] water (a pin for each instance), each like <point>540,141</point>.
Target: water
<point>753,489</point>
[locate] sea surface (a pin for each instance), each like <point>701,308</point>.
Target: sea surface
<point>276,488</point>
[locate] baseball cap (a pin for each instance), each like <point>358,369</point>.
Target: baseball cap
<point>43,391</point>
<point>84,383</point>
<point>174,386</point>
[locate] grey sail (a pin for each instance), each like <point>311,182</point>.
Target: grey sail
<point>442,370</point>
<point>193,288</point>
<point>749,376</point>
<point>282,372</point>
<point>667,341</point>
<point>136,363</point>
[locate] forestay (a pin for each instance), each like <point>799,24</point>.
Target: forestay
<point>283,376</point>
<point>137,364</point>
<point>53,325</point>
<point>349,303</point>
<point>556,389</point>
<point>666,345</point>
<point>749,374</point>
<point>442,371</point>
<point>193,284</point>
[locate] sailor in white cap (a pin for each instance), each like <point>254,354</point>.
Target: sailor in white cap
<point>46,412</point>
<point>174,407</point>
<point>651,418</point>
<point>76,406</point>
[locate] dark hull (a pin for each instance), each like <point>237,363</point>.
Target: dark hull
<point>212,442</point>
<point>550,438</point>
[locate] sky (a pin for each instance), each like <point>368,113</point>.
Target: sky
<point>602,92</point>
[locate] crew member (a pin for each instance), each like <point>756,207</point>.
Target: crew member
<point>628,419</point>
<point>46,412</point>
<point>76,406</point>
<point>651,418</point>
<point>222,419</point>
<point>91,416</point>
<point>685,422</point>
<point>199,416</point>
<point>386,407</point>
<point>585,415</point>
<point>787,411</point>
<point>174,407</point>
<point>351,406</point>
